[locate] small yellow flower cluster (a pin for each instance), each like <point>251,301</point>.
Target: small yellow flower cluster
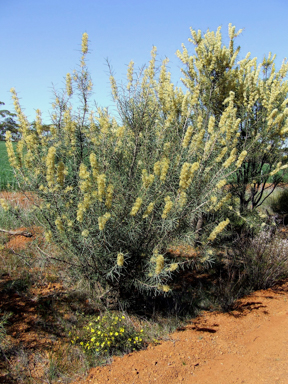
<point>69,85</point>
<point>109,196</point>
<point>48,236</point>
<point>149,209</point>
<point>147,180</point>
<point>4,205</point>
<point>59,224</point>
<point>220,227</point>
<point>224,200</point>
<point>159,264</point>
<point>221,183</point>
<point>108,334</point>
<point>214,199</point>
<point>168,206</point>
<point>241,158</point>
<point>10,151</point>
<point>85,43</point>
<point>165,288</point>
<point>221,155</point>
<point>187,173</point>
<point>85,233</point>
<point>102,220</point>
<point>60,173</point>
<point>120,259</point>
<point>277,169</point>
<point>197,141</point>
<point>114,87</point>
<point>182,198</point>
<point>187,136</point>
<point>94,165</point>
<point>164,168</point>
<point>101,182</point>
<point>173,267</point>
<point>50,164</point>
<point>231,158</point>
<point>136,206</point>
<point>130,72</point>
<point>84,175</point>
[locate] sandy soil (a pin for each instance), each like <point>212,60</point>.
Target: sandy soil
<point>248,345</point>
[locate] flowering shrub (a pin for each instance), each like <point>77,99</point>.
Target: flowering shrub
<point>109,334</point>
<point>115,192</point>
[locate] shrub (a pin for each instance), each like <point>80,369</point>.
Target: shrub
<point>279,203</point>
<point>116,192</point>
<point>265,260</point>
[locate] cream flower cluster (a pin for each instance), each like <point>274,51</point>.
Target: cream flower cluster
<point>85,43</point>
<point>136,206</point>
<point>167,208</point>
<point>147,180</point>
<point>120,259</point>
<point>149,209</point>
<point>159,259</point>
<point>101,182</point>
<point>241,158</point>
<point>187,136</point>
<point>102,220</point>
<point>50,165</point>
<point>109,196</point>
<point>220,227</point>
<point>187,173</point>
<point>231,158</point>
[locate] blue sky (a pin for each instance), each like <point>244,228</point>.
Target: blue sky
<point>41,40</point>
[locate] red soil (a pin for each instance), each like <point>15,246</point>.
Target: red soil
<point>248,345</point>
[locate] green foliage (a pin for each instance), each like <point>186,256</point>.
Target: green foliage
<point>7,179</point>
<point>109,334</point>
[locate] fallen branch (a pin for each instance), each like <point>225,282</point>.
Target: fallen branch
<point>21,233</point>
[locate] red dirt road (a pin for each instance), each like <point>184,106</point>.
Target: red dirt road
<point>248,345</point>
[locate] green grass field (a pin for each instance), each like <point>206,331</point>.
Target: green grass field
<point>7,180</point>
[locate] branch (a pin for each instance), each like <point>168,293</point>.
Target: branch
<point>21,233</point>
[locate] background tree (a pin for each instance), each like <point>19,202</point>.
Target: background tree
<point>260,96</point>
<point>7,123</point>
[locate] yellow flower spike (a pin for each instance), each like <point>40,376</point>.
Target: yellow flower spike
<point>241,158</point>
<point>159,264</point>
<point>84,43</point>
<point>120,259</point>
<point>136,206</point>
<point>109,196</point>
<point>157,168</point>
<point>149,209</point>
<point>59,224</point>
<point>221,183</point>
<point>220,227</point>
<point>50,165</point>
<point>221,155</point>
<point>60,173</point>
<point>167,208</point>
<point>187,137</point>
<point>69,85</point>
<point>101,181</point>
<point>164,168</point>
<point>102,220</point>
